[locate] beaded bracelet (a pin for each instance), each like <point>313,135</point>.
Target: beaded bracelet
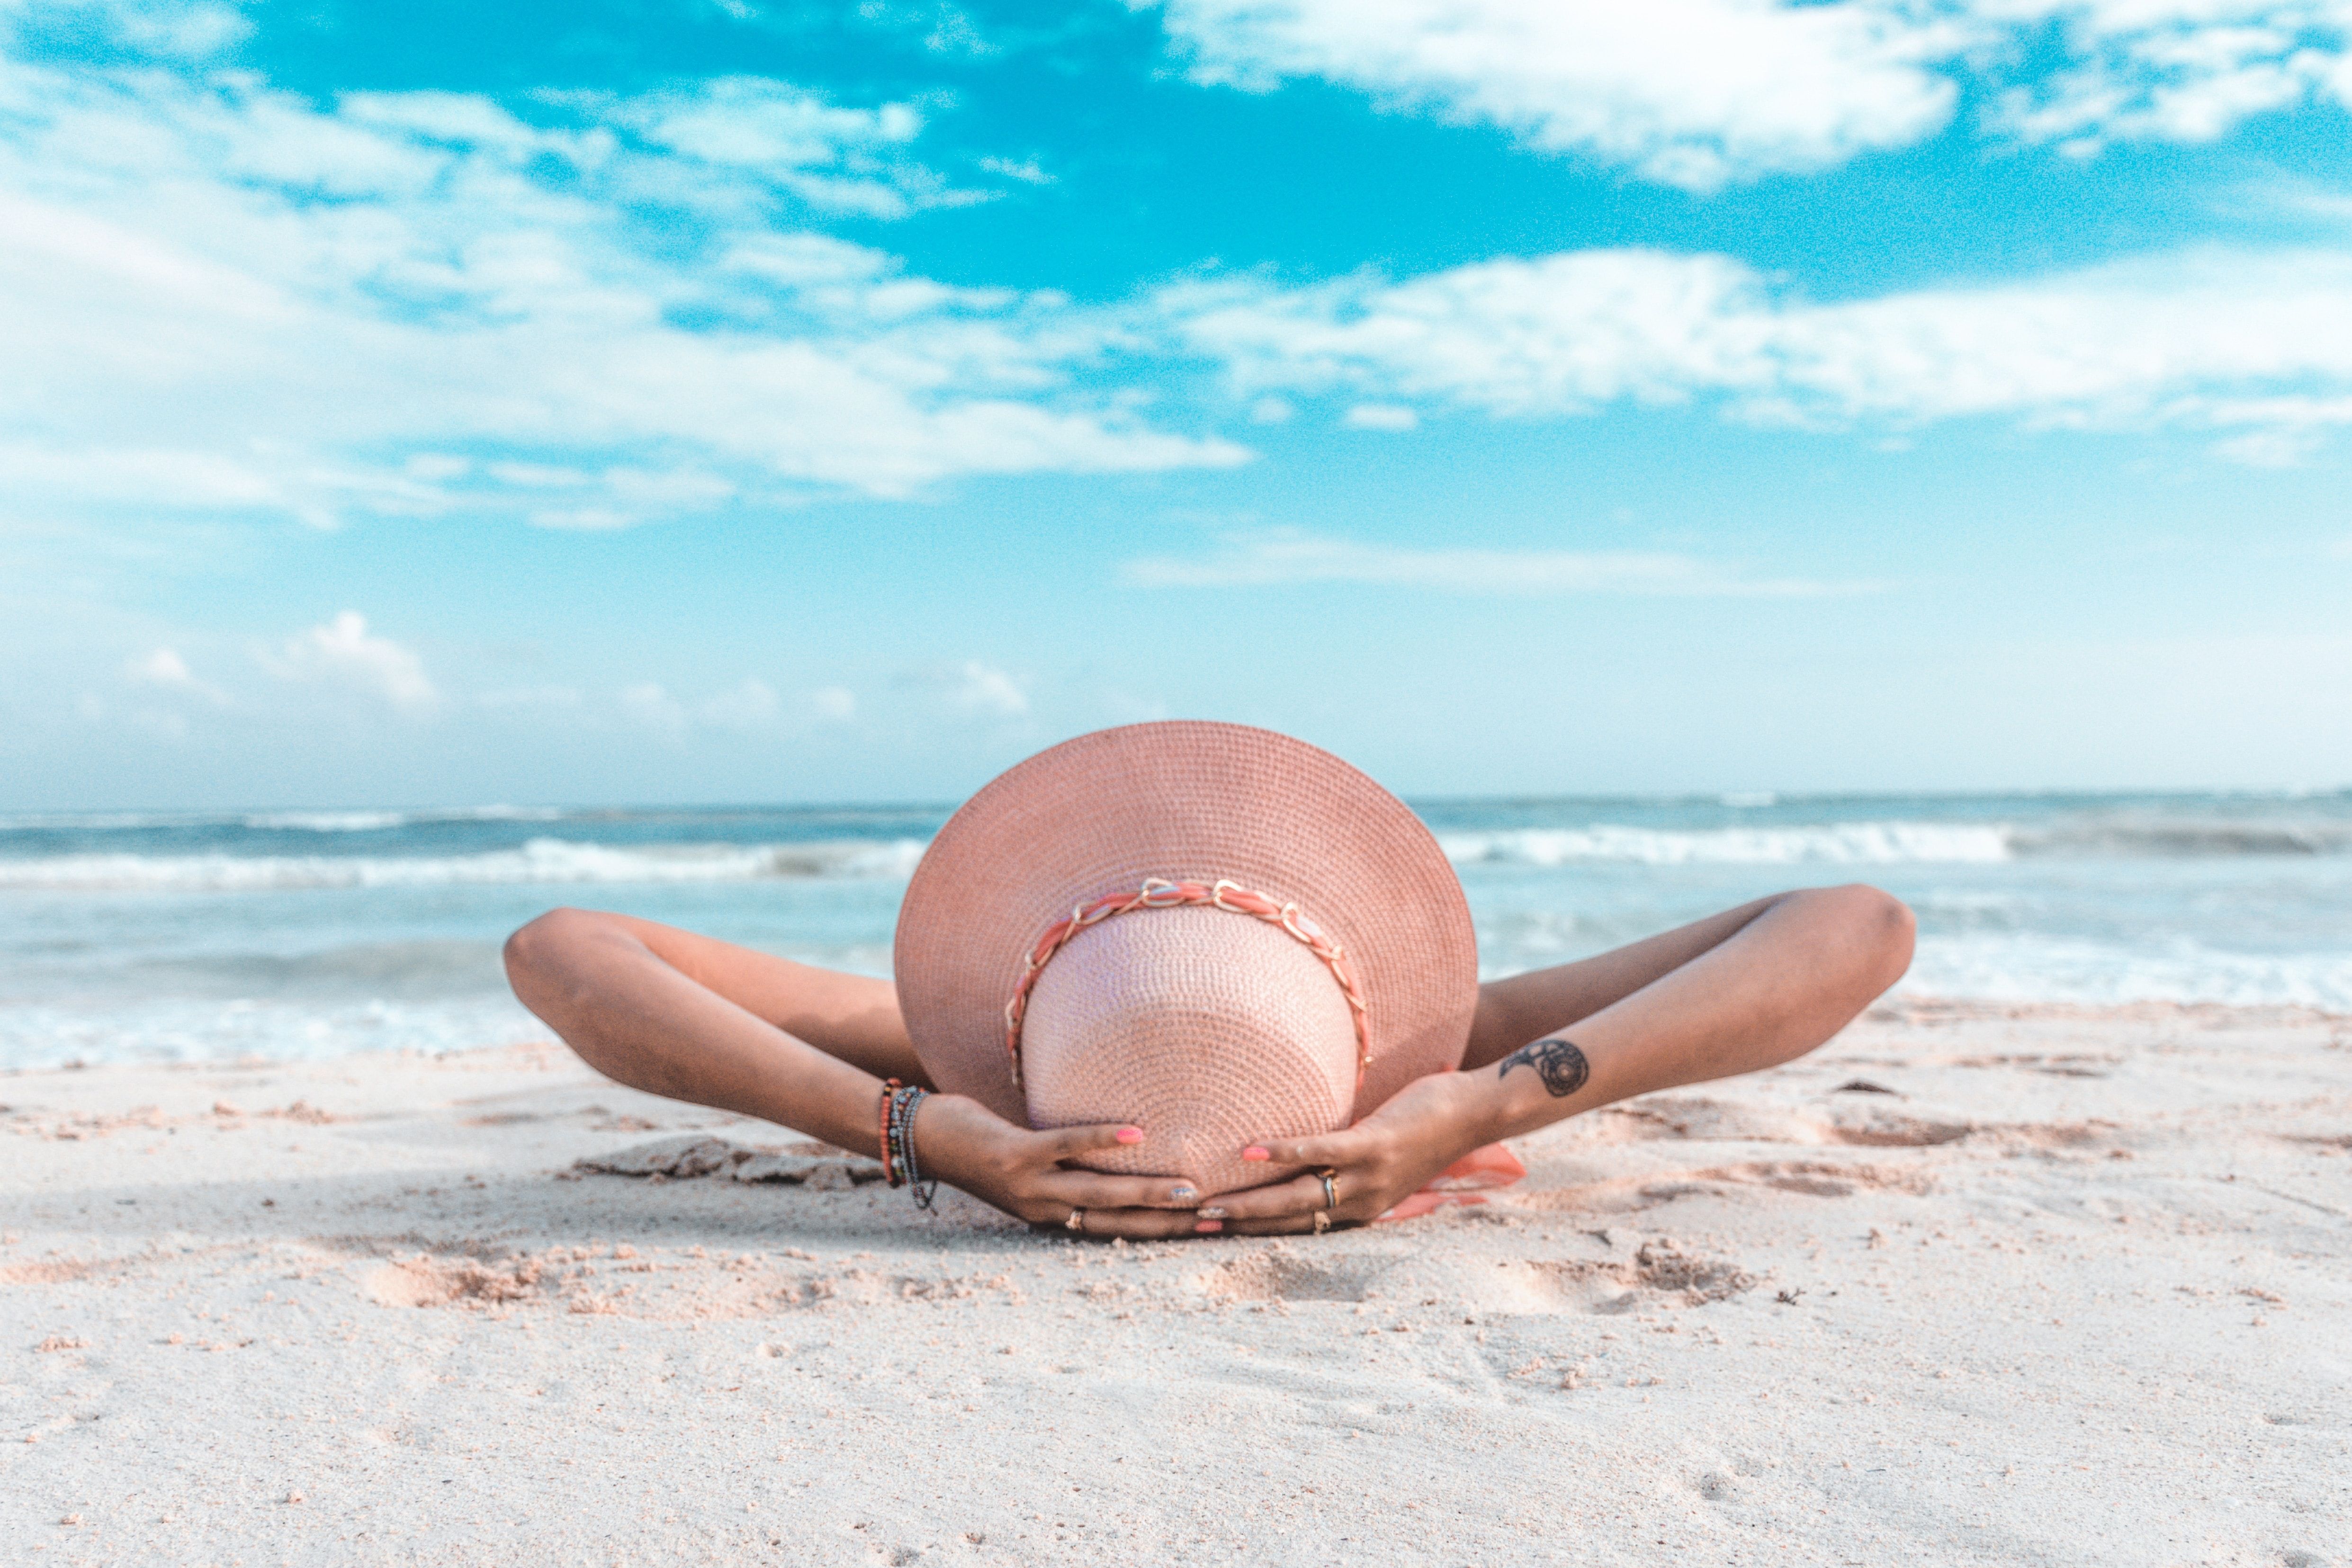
<point>905,1102</point>
<point>889,1094</point>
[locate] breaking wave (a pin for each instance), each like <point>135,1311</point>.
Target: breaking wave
<point>354,821</point>
<point>1841,843</point>
<point>1899,842</point>
<point>541,860</point>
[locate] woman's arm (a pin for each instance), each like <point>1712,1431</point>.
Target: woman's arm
<point>852,1017</point>
<point>1745,990</point>
<point>685,1016</point>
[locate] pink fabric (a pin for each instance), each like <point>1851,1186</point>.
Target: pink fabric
<point>1466,1181</point>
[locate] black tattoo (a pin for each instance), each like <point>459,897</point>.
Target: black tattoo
<point>1561,1066</point>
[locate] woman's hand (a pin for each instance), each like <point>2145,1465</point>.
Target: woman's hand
<point>1376,1164</point>
<point>967,1146</point>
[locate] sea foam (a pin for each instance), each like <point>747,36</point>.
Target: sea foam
<point>541,860</point>
<point>1838,844</point>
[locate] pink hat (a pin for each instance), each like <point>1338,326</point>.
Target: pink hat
<point>1216,932</point>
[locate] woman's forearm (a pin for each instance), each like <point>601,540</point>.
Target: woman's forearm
<point>634,1018</point>
<point>1791,973</point>
<point>651,1016</point>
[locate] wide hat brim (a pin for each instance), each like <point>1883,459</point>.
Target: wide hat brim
<point>1186,800</point>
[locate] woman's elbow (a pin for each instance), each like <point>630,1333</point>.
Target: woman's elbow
<point>1885,929</point>
<point>536,948</point>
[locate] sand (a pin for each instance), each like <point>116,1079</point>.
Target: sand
<point>1968,1285</point>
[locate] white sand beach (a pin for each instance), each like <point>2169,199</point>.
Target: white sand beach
<point>1971,1284</point>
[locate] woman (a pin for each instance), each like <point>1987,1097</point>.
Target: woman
<point>1232,1047</point>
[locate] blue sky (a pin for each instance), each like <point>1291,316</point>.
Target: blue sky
<point>715,399</point>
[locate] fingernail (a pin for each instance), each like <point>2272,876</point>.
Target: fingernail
<point>1255,1152</point>
<point>1130,1135</point>
<point>1213,1214</point>
<point>1209,1226</point>
<point>1181,1195</point>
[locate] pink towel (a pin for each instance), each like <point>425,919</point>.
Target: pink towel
<point>1467,1180</point>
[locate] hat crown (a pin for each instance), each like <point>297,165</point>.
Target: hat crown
<point>1105,814</point>
<point>1209,1031</point>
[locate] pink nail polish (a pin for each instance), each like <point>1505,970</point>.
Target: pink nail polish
<point>1130,1135</point>
<point>1255,1152</point>
<point>1210,1227</point>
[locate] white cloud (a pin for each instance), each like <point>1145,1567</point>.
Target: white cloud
<point>1382,416</point>
<point>752,705</point>
<point>2172,70</point>
<point>343,652</point>
<point>537,476</point>
<point>837,159</point>
<point>169,27</point>
<point>1272,559</point>
<point>972,688</point>
<point>625,497</point>
<point>982,688</point>
<point>191,326</point>
<point>198,481</point>
<point>548,697</point>
<point>584,520</point>
<point>1697,92</point>
<point>649,703</point>
<point>1026,171</point>
<point>2233,342</point>
<point>166,671</point>
<point>1690,92</point>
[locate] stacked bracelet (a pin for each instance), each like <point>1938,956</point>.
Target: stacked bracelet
<point>889,1094</point>
<point>899,1168</point>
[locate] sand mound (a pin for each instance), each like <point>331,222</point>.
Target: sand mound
<point>818,1166</point>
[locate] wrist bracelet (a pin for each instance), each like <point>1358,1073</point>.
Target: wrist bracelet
<point>899,1126</point>
<point>889,1092</point>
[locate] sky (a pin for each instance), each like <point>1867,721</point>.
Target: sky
<point>682,401</point>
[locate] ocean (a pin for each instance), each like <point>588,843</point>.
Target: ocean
<point>313,934</point>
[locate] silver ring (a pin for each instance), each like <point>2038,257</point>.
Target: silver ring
<point>1078,1221</point>
<point>1322,1221</point>
<point>1330,1188</point>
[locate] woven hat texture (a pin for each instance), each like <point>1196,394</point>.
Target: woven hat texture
<point>1207,1028</point>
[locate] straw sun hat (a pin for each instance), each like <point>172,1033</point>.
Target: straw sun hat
<point>1216,932</point>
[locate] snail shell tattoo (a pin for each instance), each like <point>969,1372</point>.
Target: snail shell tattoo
<point>1557,1062</point>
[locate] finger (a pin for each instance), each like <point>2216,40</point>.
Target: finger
<point>1331,1149</point>
<point>1101,1224</point>
<point>1092,1189</point>
<point>1287,1225</point>
<point>1069,1143</point>
<point>1300,1195</point>
<point>1142,1224</point>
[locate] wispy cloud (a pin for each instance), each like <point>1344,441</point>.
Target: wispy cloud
<point>210,282</point>
<point>970,687</point>
<point>750,707</point>
<point>1382,416</point>
<point>1026,171</point>
<point>838,159</point>
<point>1696,93</point>
<point>1775,87</point>
<point>2246,344</point>
<point>164,670</point>
<point>2170,70</point>
<point>343,652</point>
<point>1274,559</point>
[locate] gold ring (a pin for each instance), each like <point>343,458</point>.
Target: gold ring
<point>1078,1221</point>
<point>1330,1187</point>
<point>1322,1221</point>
